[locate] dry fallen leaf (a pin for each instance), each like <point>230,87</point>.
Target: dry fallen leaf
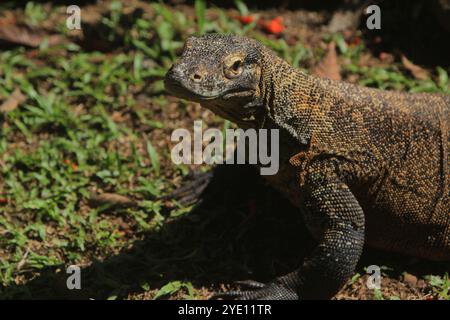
<point>410,279</point>
<point>344,20</point>
<point>117,116</point>
<point>24,35</point>
<point>329,66</point>
<point>418,72</point>
<point>14,100</point>
<point>23,261</point>
<point>112,199</point>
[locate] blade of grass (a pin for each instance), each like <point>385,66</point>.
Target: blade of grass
<point>200,9</point>
<point>242,7</point>
<point>153,157</point>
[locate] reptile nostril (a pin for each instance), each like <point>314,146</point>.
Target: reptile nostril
<point>196,77</point>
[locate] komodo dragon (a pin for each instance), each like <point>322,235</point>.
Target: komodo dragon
<point>363,165</point>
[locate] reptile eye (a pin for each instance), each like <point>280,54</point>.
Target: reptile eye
<point>236,65</point>
<point>234,70</point>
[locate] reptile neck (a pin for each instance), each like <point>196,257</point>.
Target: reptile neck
<point>288,95</point>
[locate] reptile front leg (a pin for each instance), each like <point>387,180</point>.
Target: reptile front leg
<point>337,220</point>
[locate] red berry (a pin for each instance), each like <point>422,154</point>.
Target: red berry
<point>274,26</point>
<point>246,19</point>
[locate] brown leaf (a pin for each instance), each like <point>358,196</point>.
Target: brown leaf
<point>112,199</point>
<point>20,34</point>
<point>14,100</point>
<point>410,279</point>
<point>344,20</point>
<point>329,66</point>
<point>418,72</point>
<point>23,261</point>
<point>118,116</point>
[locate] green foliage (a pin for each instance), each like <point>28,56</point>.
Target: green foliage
<point>173,287</point>
<point>200,12</point>
<point>377,295</point>
<point>35,13</point>
<point>441,285</point>
<point>242,7</point>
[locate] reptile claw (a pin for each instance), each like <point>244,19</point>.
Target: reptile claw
<point>259,291</point>
<point>229,295</point>
<point>250,284</point>
<point>190,192</point>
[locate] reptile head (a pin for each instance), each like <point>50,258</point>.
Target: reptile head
<point>222,72</point>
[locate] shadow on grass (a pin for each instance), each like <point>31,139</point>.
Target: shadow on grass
<point>241,230</point>
<point>229,236</point>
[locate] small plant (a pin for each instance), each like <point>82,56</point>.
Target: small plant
<point>441,285</point>
<point>200,12</point>
<point>35,13</point>
<point>377,295</point>
<point>173,287</point>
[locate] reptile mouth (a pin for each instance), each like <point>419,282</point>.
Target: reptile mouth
<point>175,88</point>
<point>245,117</point>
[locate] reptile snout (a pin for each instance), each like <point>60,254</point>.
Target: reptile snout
<point>179,72</point>
<point>198,74</point>
<point>185,81</point>
<point>173,73</point>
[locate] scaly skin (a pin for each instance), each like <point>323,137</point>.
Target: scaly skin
<point>365,165</point>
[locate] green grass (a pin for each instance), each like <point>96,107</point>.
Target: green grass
<point>441,285</point>
<point>83,128</point>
